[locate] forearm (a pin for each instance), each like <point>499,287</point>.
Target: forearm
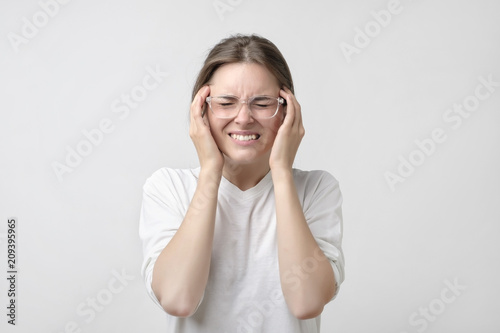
<point>181,271</point>
<point>307,278</point>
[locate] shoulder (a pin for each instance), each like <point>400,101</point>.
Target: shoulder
<point>314,179</point>
<point>167,180</point>
<point>316,186</point>
<point>166,174</point>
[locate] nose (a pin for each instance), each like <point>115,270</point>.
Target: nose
<point>244,114</point>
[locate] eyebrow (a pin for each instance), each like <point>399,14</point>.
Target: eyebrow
<point>227,96</point>
<point>255,96</point>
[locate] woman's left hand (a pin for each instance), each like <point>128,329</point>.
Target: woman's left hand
<point>289,135</point>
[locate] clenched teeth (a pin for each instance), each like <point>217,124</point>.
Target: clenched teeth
<point>244,137</point>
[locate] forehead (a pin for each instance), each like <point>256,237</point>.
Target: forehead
<point>243,80</point>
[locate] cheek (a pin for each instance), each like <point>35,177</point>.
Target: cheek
<point>276,124</point>
<point>272,129</point>
<point>213,123</point>
<point>216,126</point>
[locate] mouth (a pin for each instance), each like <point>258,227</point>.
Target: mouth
<point>244,137</point>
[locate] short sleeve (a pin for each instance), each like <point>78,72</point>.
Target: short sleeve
<point>164,203</point>
<point>323,212</point>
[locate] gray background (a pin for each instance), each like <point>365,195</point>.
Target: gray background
<point>362,113</point>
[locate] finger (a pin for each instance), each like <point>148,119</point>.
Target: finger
<point>290,109</point>
<point>293,107</point>
<point>199,99</point>
<point>204,94</point>
<point>198,103</point>
<point>297,108</point>
<point>204,105</point>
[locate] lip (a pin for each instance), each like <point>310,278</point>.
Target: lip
<point>243,133</point>
<point>243,143</point>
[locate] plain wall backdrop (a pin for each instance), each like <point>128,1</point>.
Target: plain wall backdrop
<point>401,103</point>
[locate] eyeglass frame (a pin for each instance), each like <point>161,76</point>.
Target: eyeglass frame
<point>281,101</point>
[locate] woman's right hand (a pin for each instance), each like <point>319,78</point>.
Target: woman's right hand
<point>210,156</point>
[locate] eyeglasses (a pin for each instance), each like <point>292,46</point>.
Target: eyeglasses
<point>261,107</point>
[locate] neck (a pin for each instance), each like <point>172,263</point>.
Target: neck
<point>244,176</point>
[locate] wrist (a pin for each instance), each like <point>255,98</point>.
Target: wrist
<point>282,174</point>
<point>213,175</point>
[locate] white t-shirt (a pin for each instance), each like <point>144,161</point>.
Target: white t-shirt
<point>243,293</point>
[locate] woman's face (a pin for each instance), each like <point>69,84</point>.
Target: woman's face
<point>245,80</point>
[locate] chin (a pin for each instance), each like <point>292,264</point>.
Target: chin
<point>245,158</point>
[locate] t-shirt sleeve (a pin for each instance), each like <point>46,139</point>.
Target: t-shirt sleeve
<point>161,215</point>
<point>323,213</point>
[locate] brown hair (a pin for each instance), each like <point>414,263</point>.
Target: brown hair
<point>245,48</point>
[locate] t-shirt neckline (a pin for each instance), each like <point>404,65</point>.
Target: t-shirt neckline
<point>262,185</point>
<point>227,186</point>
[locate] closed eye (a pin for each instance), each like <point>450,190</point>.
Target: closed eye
<point>263,102</point>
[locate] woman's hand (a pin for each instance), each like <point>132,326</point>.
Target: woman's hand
<point>289,135</point>
<point>210,156</point>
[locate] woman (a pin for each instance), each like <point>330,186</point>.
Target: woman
<point>245,242</point>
